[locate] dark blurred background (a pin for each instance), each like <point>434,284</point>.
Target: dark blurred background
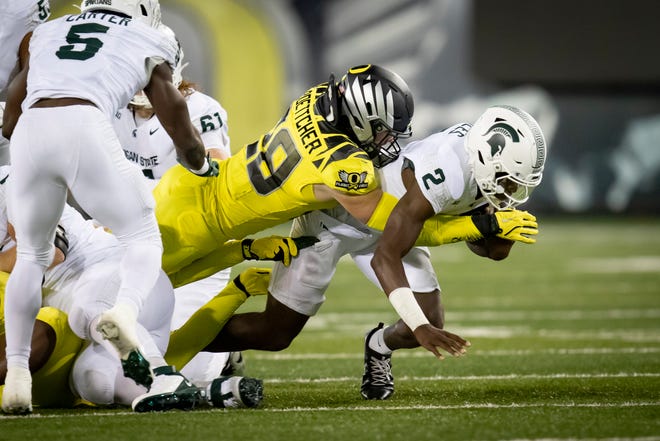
<point>588,70</point>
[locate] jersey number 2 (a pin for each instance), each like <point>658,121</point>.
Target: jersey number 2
<point>90,47</point>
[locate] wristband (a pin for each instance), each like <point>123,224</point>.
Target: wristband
<point>406,306</point>
<point>203,170</point>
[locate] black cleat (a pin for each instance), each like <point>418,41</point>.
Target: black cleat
<point>236,391</point>
<point>377,381</point>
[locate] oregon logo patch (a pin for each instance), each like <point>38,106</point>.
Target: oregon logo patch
<point>352,181</point>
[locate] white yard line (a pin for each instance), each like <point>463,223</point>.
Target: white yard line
<point>627,404</point>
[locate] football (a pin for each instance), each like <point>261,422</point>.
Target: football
<point>495,248</point>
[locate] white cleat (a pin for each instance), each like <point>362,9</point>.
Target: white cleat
<point>17,395</point>
<point>118,326</point>
<point>170,390</point>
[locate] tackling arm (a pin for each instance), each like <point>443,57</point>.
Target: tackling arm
<point>442,229</point>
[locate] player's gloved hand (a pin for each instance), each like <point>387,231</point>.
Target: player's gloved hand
<point>209,169</point>
<point>253,281</point>
<point>508,224</point>
<point>277,248</point>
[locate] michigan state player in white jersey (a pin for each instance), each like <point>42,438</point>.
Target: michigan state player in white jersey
<point>496,164</point>
<point>18,18</point>
<point>147,145</point>
<point>82,68</point>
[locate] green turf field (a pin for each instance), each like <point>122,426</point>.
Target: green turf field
<point>565,345</point>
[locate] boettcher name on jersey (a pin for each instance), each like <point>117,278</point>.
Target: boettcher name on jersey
<point>272,179</point>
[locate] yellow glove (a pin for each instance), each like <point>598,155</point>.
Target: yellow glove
<point>508,224</point>
<point>277,248</point>
<point>253,281</point>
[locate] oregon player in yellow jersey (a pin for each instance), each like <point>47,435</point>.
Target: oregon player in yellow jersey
<point>322,152</point>
<point>55,347</point>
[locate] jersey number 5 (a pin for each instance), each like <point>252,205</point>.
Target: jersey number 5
<point>90,47</point>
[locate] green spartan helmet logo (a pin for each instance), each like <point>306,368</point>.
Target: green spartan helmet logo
<point>497,140</point>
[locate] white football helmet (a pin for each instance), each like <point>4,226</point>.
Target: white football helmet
<point>146,11</point>
<point>140,99</point>
<point>507,150</point>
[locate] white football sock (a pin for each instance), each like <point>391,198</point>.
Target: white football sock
<point>22,303</point>
<point>377,342</point>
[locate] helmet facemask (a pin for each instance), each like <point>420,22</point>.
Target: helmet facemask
<point>508,191</point>
<point>383,147</point>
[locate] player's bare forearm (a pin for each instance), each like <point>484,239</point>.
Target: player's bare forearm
<point>398,238</point>
<point>172,112</point>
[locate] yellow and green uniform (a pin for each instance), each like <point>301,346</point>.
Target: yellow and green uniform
<point>50,384</point>
<point>264,184</point>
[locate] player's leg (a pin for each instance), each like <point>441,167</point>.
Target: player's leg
<point>204,325</point>
<point>97,378</point>
<point>377,380</point>
<point>43,343</point>
<point>36,196</point>
<point>113,192</point>
<point>204,366</point>
<point>96,289</point>
<point>172,389</point>
<point>51,381</point>
<point>54,348</point>
<point>96,375</point>
<point>185,218</point>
